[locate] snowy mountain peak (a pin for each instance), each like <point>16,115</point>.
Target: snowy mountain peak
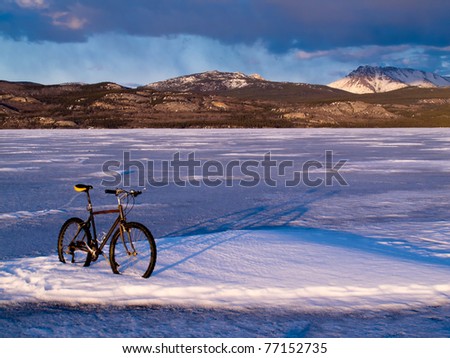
<point>257,77</point>
<point>374,79</point>
<point>210,81</point>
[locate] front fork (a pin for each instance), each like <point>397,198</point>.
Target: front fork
<point>125,235</point>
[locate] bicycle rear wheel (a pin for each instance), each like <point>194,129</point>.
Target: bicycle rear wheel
<point>133,253</point>
<point>73,241</point>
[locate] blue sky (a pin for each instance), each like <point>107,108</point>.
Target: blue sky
<point>141,41</point>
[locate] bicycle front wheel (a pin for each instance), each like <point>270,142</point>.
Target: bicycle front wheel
<point>132,251</point>
<point>74,239</point>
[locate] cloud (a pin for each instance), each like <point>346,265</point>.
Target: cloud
<point>67,20</point>
<point>137,59</point>
<point>360,54</point>
<point>32,4</point>
<point>281,24</point>
<point>305,55</point>
<point>400,55</point>
<point>288,40</point>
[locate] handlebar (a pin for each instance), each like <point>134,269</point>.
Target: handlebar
<point>133,193</point>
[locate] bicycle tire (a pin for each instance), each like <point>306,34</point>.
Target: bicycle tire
<point>72,237</point>
<point>134,253</point>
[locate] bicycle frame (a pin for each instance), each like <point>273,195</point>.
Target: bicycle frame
<point>121,218</point>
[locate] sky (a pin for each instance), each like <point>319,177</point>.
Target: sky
<point>136,42</point>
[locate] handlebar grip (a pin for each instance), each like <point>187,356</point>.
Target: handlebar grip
<point>135,193</point>
<point>111,191</point>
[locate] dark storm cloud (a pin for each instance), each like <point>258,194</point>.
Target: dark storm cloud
<point>281,24</point>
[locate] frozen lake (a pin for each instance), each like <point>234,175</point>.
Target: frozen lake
<point>227,241</point>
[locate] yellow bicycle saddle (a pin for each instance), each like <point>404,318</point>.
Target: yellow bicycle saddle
<point>82,187</point>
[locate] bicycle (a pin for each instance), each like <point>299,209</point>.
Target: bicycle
<point>132,250</point>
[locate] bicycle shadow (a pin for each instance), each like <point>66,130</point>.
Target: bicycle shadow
<point>212,233</point>
<point>203,243</point>
<point>283,214</point>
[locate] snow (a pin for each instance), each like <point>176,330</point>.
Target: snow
<point>367,79</point>
<point>379,245</point>
<point>379,84</point>
<point>281,267</point>
<point>420,78</point>
<point>210,79</point>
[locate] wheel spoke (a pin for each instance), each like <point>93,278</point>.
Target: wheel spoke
<point>73,243</point>
<point>133,253</point>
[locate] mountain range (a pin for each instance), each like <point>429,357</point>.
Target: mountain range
<point>233,99</point>
<point>365,79</point>
<point>370,79</point>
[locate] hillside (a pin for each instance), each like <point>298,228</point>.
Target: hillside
<point>211,82</point>
<point>247,87</point>
<point>216,99</point>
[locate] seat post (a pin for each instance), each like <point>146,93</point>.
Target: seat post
<point>82,187</point>
<point>89,200</point>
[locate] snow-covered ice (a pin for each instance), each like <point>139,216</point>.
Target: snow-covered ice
<point>289,267</point>
<point>379,244</point>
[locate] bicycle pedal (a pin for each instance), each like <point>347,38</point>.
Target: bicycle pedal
<point>96,255</point>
